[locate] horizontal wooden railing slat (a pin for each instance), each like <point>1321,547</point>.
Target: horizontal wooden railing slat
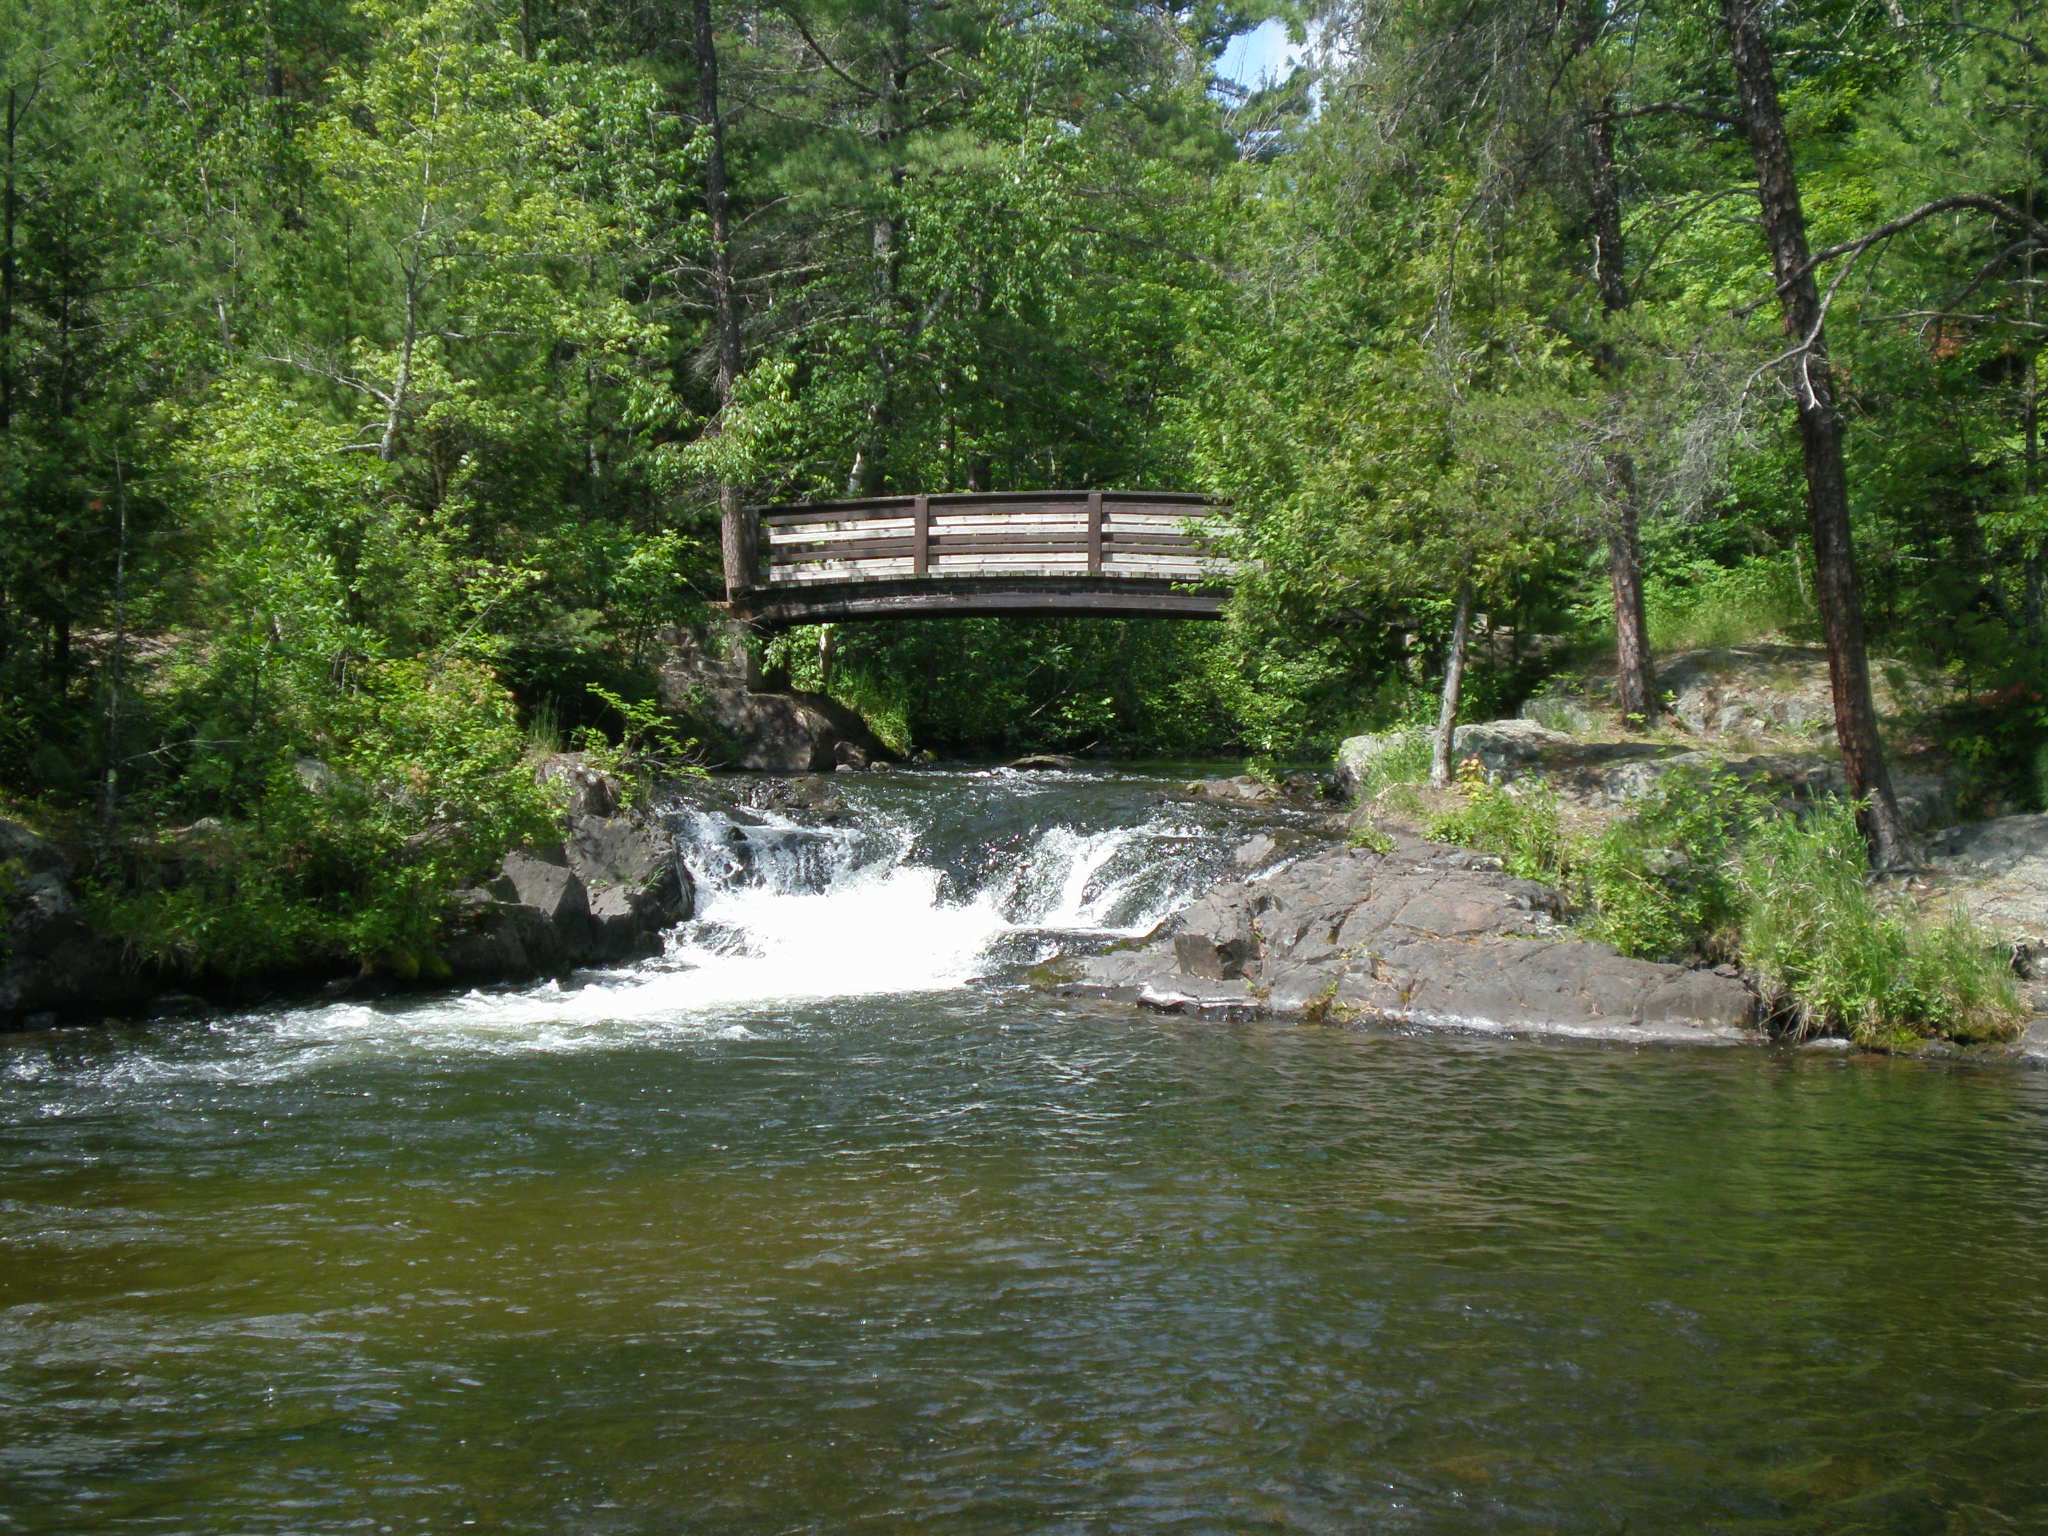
<point>1130,540</point>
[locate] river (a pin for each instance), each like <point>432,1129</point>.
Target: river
<point>827,1222</point>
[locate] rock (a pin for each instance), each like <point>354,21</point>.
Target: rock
<point>1217,937</point>
<point>635,887</point>
<point>707,677</point>
<point>1242,788</point>
<point>1506,749</point>
<point>1420,934</point>
<point>1045,762</point>
<point>52,961</point>
<point>1997,872</point>
<point>1256,853</point>
<point>812,800</point>
<point>1568,713</point>
<point>605,894</point>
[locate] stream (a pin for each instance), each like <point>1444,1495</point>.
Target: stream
<point>826,1221</point>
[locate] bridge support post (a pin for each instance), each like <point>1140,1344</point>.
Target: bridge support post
<point>1095,533</point>
<point>739,543</point>
<point>921,536</point>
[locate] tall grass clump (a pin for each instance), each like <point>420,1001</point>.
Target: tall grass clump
<point>1403,758</point>
<point>1828,957</point>
<point>1706,604</point>
<point>1522,825</point>
<point>1661,884</point>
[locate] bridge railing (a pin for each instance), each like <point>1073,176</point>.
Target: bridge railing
<point>1156,536</point>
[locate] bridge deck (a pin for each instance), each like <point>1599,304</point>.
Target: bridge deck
<point>1014,552</point>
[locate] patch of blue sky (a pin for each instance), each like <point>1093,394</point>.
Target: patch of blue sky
<point>1258,57</point>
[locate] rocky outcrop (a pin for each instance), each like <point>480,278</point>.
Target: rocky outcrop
<point>603,895</point>
<point>1997,872</point>
<point>1604,775</point>
<point>1422,934</point>
<point>1766,689</point>
<point>52,960</point>
<point>707,677</point>
<point>1301,791</point>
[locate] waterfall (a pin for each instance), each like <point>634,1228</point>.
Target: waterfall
<point>787,910</point>
<point>911,884</point>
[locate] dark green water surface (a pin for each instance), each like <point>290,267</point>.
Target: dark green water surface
<point>976,1261</point>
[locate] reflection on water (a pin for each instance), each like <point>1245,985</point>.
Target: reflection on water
<point>959,1259</point>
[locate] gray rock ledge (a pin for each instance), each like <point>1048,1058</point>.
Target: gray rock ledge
<point>1422,934</point>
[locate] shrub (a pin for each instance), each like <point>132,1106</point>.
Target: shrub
<point>1522,826</point>
<point>1661,884</point>
<point>1827,956</point>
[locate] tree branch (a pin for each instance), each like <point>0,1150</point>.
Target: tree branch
<point>823,57</point>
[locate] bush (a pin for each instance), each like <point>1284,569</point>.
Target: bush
<point>1828,957</point>
<point>1661,884</point>
<point>419,786</point>
<point>1522,826</point>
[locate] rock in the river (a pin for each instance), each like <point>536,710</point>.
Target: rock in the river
<point>1422,934</point>
<point>604,894</point>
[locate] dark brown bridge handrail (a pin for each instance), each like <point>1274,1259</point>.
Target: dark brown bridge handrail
<point>981,551</point>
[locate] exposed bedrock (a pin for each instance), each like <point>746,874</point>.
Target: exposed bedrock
<point>1423,934</point>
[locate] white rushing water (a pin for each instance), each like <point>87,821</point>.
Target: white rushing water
<point>789,916</point>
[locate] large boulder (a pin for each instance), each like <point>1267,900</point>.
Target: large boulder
<point>605,894</point>
<point>1422,933</point>
<point>708,677</point>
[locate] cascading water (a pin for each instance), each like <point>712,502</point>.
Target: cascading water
<point>919,883</point>
<point>892,902</point>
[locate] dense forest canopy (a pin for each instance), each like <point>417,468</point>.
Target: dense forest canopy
<point>372,378</point>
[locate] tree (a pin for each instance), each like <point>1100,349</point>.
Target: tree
<point>1820,432</point>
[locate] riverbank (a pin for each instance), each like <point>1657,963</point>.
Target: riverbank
<point>603,892</point>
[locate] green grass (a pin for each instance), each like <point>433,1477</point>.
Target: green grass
<point>1710,605</point>
<point>1830,957</point>
<point>1705,869</point>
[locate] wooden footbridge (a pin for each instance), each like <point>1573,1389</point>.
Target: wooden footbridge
<point>1107,553</point>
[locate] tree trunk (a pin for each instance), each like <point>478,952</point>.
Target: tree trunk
<point>1635,687</point>
<point>2034,598</point>
<point>110,775</point>
<point>1820,436</point>
<point>738,534</point>
<point>869,474</point>
<point>9,211</point>
<point>1454,683</point>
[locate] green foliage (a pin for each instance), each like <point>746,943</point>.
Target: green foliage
<point>1137,687</point>
<point>1829,956</point>
<point>1520,823</point>
<point>1701,603</point>
<point>651,743</point>
<point>1661,883</point>
<point>421,786</point>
